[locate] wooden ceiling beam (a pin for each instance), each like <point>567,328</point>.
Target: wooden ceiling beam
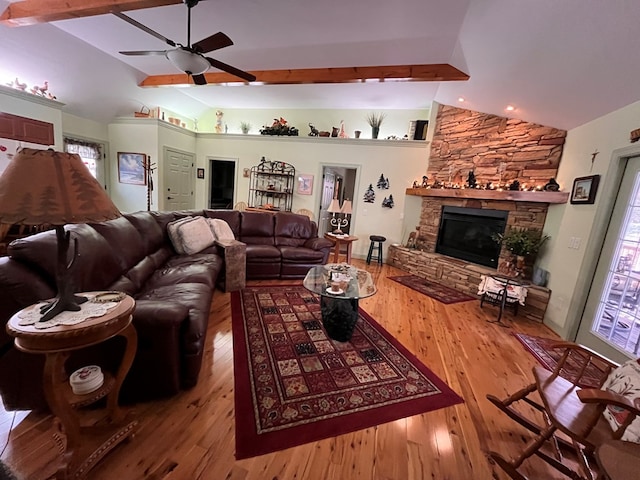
<point>441,72</point>
<point>30,12</point>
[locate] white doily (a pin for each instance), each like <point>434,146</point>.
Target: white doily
<point>87,310</point>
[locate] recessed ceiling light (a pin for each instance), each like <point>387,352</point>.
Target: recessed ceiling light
<point>461,99</point>
<point>510,108</point>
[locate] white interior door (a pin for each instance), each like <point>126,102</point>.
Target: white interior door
<point>178,181</point>
<point>610,324</point>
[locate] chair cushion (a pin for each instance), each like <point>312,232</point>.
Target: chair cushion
<point>624,380</point>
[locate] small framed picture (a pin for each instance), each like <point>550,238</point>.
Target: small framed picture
<point>584,189</point>
<point>246,172</point>
<point>131,168</point>
<point>200,172</point>
<point>305,184</point>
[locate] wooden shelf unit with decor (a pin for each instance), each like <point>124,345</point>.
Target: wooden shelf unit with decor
<point>271,185</point>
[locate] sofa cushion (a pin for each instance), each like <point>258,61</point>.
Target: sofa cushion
<point>191,272</point>
<point>292,229</point>
<point>301,254</point>
<point>257,228</point>
<point>96,264</point>
<point>232,217</point>
<point>174,236</point>
<point>266,253</point>
<point>624,380</point>
<point>195,235</point>
<point>145,223</point>
<point>220,229</point>
<point>118,233</point>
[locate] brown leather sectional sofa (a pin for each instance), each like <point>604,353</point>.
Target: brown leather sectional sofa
<point>173,292</point>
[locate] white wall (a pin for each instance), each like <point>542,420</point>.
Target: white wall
<point>395,123</point>
<point>569,267</point>
<point>401,162</point>
<point>85,129</point>
<point>134,136</point>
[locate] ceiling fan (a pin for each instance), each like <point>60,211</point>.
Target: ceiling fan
<point>190,58</point>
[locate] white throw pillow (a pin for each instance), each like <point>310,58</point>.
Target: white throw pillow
<point>195,236</point>
<point>221,229</point>
<point>624,380</point>
<point>172,230</point>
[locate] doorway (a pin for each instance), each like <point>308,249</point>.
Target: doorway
<point>338,182</point>
<point>611,320</point>
<point>222,182</point>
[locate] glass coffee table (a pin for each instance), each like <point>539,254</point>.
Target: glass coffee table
<point>339,304</point>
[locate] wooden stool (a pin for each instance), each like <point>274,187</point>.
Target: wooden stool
<point>379,240</point>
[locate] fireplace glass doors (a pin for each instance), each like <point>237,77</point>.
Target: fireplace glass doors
<point>466,233</point>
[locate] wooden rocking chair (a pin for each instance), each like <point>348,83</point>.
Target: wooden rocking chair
<point>567,408</point>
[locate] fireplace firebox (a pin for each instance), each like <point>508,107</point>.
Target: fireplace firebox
<point>467,234</point>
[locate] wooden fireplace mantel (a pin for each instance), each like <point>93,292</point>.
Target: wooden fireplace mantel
<point>509,195</point>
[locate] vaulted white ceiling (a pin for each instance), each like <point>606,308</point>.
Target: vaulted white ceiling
<point>560,63</point>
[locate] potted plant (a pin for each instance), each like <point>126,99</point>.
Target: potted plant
<point>245,127</point>
<point>375,120</point>
<point>523,243</point>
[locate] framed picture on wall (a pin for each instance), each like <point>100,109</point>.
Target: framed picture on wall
<point>584,189</point>
<point>305,184</point>
<point>200,172</point>
<point>131,168</point>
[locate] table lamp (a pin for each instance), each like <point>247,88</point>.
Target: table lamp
<point>345,210</point>
<point>45,187</point>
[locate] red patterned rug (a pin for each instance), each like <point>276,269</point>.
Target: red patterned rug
<point>434,290</point>
<point>294,385</point>
<point>542,350</point>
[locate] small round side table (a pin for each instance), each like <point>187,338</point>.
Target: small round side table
<point>86,443</point>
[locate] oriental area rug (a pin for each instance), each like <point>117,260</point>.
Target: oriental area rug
<point>295,385</point>
<point>542,350</point>
<point>434,290</point>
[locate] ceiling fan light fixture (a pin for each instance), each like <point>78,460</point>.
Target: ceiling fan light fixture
<point>188,61</point>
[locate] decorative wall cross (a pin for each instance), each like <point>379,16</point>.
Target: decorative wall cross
<point>593,158</point>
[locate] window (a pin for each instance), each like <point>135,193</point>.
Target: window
<point>89,152</point>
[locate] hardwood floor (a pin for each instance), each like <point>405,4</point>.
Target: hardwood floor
<point>191,436</point>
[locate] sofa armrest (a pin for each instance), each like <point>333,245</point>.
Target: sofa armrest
<point>318,243</point>
<point>235,264</point>
<point>159,315</point>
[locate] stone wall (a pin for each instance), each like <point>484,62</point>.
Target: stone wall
<point>465,140</point>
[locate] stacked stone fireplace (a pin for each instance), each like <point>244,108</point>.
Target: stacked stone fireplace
<point>527,215</point>
<point>463,275</point>
<point>500,151</point>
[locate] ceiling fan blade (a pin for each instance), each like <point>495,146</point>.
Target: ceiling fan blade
<point>232,70</point>
<point>214,42</point>
<point>144,28</point>
<point>144,52</point>
<point>199,79</point>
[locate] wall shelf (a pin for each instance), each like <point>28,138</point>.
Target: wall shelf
<point>506,195</point>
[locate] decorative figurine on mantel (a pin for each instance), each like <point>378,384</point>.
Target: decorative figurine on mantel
<point>415,184</point>
<point>425,181</point>
<point>219,115</point>
<point>314,131</point>
<point>515,185</point>
<point>471,180</point>
<point>551,186</point>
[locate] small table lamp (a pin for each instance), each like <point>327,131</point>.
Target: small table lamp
<point>44,187</point>
<point>334,208</point>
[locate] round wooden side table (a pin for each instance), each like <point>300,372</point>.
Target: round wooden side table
<point>346,240</point>
<point>90,434</point>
